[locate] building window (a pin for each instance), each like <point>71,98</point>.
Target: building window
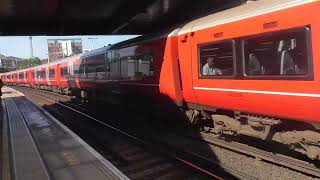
<point>217,59</point>
<point>283,53</point>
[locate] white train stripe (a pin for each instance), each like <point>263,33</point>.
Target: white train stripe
<point>258,92</point>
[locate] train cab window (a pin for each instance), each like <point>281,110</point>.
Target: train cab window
<point>51,73</point>
<point>217,59</point>
<point>63,71</point>
<point>282,54</point>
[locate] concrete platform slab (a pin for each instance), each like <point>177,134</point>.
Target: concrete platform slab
<point>43,148</point>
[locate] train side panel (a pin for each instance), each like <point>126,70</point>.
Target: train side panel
<point>283,97</point>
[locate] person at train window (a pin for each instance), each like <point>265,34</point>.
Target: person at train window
<point>209,69</point>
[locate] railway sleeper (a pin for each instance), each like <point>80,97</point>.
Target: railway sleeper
<point>303,139</point>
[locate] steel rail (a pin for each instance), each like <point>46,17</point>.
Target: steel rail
<point>173,155</point>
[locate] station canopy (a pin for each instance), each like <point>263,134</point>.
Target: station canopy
<point>105,17</point>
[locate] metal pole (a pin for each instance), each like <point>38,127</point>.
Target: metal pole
<point>31,47</point>
<point>92,40</point>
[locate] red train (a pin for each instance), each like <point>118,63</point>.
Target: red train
<point>251,70</point>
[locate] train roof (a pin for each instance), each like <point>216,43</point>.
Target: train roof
<point>123,44</point>
<point>56,62</point>
<point>96,51</point>
<point>119,45</point>
<point>248,10</point>
<point>133,41</point>
<point>45,65</point>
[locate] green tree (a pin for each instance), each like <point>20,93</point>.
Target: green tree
<point>26,63</point>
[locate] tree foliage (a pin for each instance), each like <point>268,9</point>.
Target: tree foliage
<point>26,63</point>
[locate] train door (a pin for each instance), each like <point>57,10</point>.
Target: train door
<point>213,69</point>
<point>71,78</point>
<point>25,76</point>
<point>107,65</point>
<point>114,66</point>
<point>47,76</point>
<point>35,78</point>
<point>58,75</point>
<point>185,59</point>
<point>70,68</point>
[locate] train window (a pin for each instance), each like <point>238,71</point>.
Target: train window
<point>21,76</point>
<point>63,71</point>
<point>282,54</point>
<point>145,65</point>
<point>41,74</point>
<point>51,73</point>
<point>91,68</point>
<point>217,59</point>
<point>137,67</point>
<point>100,62</point>
<point>76,69</point>
<point>82,68</point>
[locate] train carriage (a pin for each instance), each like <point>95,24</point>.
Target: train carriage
<point>255,67</point>
<point>65,74</point>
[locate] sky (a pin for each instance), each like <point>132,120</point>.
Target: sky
<point>19,46</point>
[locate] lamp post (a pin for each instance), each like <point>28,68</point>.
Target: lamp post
<point>92,40</point>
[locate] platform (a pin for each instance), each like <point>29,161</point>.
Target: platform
<point>36,146</point>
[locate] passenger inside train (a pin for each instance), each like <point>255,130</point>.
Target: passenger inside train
<point>279,54</point>
<point>217,59</point>
<point>209,68</point>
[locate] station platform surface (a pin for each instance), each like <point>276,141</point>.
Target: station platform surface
<point>36,146</point>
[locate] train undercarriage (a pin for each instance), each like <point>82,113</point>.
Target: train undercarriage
<point>301,137</point>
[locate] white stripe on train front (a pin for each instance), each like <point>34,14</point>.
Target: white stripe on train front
<point>258,92</point>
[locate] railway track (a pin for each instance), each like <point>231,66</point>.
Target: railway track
<point>279,159</point>
<point>213,142</point>
<point>133,159</point>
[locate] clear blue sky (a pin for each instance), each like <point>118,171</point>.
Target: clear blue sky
<point>18,46</point>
